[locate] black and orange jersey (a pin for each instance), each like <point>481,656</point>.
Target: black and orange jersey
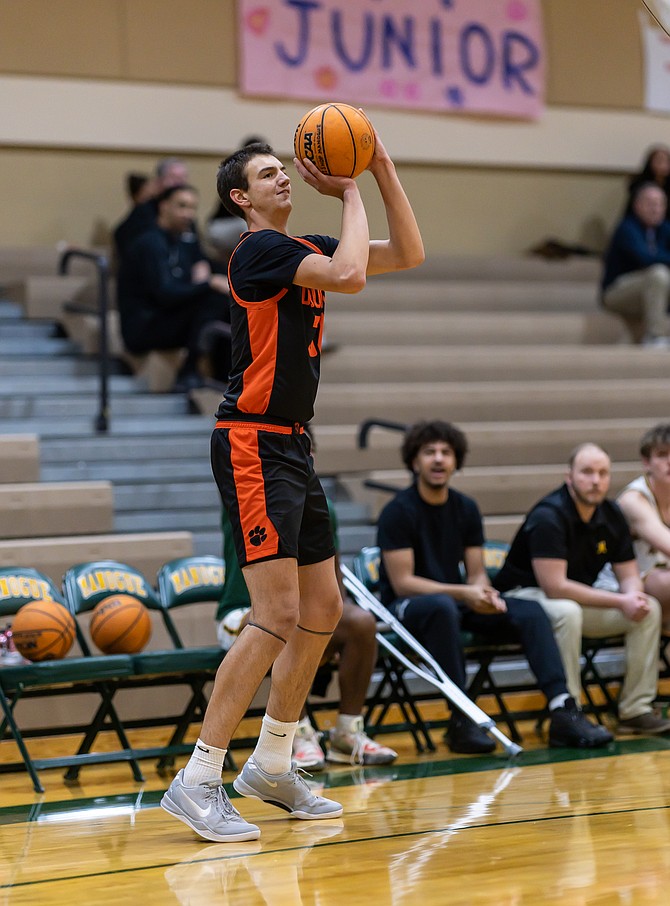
<point>276,328</point>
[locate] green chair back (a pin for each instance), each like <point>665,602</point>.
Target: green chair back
<point>495,553</point>
<point>86,584</point>
<point>21,585</point>
<point>365,567</point>
<point>188,580</point>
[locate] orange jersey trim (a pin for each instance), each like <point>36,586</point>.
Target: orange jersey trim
<point>250,489</point>
<point>263,334</point>
<point>260,426</point>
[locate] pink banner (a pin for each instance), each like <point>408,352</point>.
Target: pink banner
<point>476,56</point>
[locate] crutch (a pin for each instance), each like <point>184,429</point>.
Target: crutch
<point>428,669</point>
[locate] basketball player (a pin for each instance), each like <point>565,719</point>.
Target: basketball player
<point>263,467</point>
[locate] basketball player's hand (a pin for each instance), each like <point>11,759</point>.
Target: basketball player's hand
<point>483,599</point>
<point>381,155</point>
<point>334,186</point>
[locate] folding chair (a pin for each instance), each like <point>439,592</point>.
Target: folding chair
<point>593,677</point>
<point>97,675</point>
<point>392,687</point>
<point>366,574</point>
<point>86,584</point>
<point>181,582</point>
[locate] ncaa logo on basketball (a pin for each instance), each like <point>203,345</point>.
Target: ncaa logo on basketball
<point>308,146</point>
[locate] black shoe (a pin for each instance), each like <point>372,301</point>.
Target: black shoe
<point>570,728</point>
<point>466,738</point>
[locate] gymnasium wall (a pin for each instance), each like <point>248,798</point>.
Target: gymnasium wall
<point>90,89</point>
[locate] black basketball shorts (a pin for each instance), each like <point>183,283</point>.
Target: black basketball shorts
<point>266,478</point>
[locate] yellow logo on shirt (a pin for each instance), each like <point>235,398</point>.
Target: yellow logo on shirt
<point>602,547</point>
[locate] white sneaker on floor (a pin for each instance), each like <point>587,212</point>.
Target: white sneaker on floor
<point>208,811</point>
<point>356,747</point>
<point>307,753</point>
<point>287,791</point>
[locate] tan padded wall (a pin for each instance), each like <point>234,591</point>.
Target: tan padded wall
<point>593,46</point>
<point>594,50</point>
<point>461,210</point>
<point>142,40</point>
<point>49,195</point>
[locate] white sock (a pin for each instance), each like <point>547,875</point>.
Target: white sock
<point>275,745</point>
<point>346,724</point>
<point>558,701</point>
<point>206,763</point>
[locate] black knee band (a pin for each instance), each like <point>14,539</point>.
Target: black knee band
<point>314,631</point>
<point>269,631</point>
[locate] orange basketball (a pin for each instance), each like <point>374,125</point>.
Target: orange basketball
<point>43,630</point>
<point>338,138</point>
<point>120,624</point>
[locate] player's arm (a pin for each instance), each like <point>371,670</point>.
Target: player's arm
<point>404,247</point>
<point>344,272</point>
<point>644,521</point>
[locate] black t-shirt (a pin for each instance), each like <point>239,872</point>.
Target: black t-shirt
<point>554,530</point>
<point>437,534</point>
<point>276,327</point>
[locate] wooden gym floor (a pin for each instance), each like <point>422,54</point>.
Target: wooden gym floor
<point>553,827</point>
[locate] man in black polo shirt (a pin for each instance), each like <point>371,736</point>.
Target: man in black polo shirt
<point>425,533</point>
<point>555,559</point>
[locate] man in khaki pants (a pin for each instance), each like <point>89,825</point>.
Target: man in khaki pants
<point>555,559</point>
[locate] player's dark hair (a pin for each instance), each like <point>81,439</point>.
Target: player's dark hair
<point>427,432</point>
<point>232,174</point>
<point>654,438</point>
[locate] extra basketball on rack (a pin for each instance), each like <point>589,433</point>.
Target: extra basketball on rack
<point>120,624</point>
<point>43,630</point>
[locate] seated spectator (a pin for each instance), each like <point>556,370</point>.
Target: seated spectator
<point>655,169</point>
<point>636,276</point>
<point>555,559</point>
<point>425,533</point>
<point>646,505</point>
<point>355,647</point>
<point>169,298</point>
<point>138,187</point>
<point>171,171</point>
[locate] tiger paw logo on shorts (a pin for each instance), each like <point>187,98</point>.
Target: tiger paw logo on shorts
<point>257,535</point>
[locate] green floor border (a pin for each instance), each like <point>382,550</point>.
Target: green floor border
<point>30,812</point>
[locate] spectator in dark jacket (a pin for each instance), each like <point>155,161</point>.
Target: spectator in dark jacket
<point>168,296</point>
<point>636,277</point>
<point>655,169</point>
<point>171,171</point>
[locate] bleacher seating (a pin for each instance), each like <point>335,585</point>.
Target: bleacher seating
<point>516,351</point>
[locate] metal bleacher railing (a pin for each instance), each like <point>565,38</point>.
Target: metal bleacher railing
<point>102,266</point>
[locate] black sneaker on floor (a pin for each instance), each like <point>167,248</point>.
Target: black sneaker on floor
<point>467,738</point>
<point>570,728</point>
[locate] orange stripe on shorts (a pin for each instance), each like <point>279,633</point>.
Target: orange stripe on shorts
<point>260,536</point>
